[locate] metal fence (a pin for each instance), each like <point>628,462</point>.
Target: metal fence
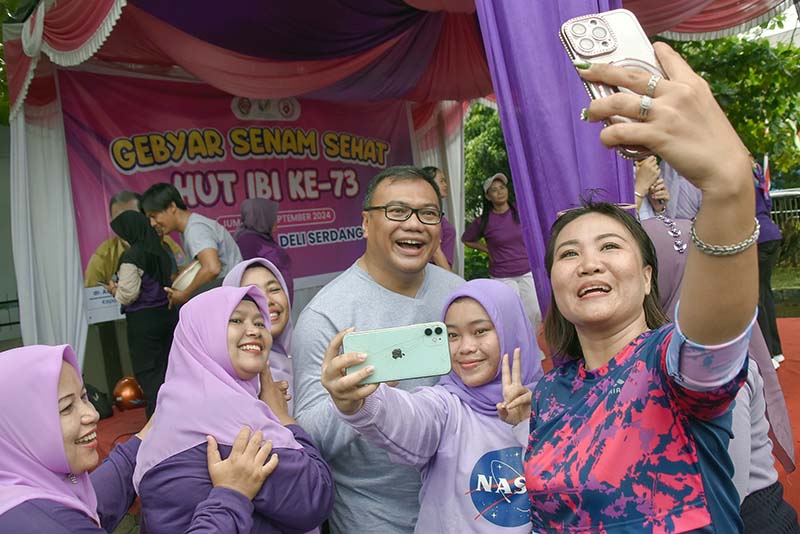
<point>785,205</point>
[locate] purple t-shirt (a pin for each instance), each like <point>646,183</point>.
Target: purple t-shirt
<point>253,245</point>
<point>297,497</point>
<point>503,235</point>
<point>769,230</point>
<point>448,240</point>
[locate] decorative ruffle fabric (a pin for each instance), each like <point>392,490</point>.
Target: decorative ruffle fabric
<point>417,50</point>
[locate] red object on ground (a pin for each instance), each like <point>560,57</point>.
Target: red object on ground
<point>128,394</point>
<point>789,375</point>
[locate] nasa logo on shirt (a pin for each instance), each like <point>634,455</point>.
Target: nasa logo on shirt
<point>497,488</point>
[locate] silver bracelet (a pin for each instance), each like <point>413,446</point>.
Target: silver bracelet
<point>725,250</point>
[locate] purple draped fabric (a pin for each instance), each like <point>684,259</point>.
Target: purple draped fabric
<point>289,30</point>
<point>396,73</point>
<point>554,156</point>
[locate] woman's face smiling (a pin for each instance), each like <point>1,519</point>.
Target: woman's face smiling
<point>474,345</point>
<point>249,340</point>
<point>598,278</point>
<point>279,311</point>
<point>78,421</point>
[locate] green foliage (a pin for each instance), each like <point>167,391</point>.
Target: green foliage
<point>485,154</point>
<point>790,246</point>
<point>10,11</point>
<point>476,264</point>
<point>758,86</point>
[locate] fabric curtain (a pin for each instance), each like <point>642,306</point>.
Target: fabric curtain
<point>43,233</point>
<point>440,143</point>
<point>554,156</point>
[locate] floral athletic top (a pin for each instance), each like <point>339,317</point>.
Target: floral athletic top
<point>640,444</point>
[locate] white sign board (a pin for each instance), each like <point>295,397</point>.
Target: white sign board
<point>102,305</point>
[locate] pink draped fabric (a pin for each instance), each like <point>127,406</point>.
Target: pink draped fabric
<point>723,14</point>
<point>451,6</point>
<point>242,75</point>
<point>657,16</point>
<point>69,24</point>
<point>17,67</point>
<point>699,18</point>
<point>458,69</point>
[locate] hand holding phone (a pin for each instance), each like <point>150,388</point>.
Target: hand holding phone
<point>612,37</point>
<point>401,353</point>
<point>344,389</point>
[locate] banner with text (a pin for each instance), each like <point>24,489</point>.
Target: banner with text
<point>314,158</point>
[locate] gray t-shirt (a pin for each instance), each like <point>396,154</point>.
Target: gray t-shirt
<point>202,233</point>
<point>372,494</point>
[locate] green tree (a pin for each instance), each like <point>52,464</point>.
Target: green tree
<point>10,11</point>
<point>758,85</point>
<point>484,154</point>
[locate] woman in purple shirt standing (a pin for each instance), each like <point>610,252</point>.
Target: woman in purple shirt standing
<point>48,443</point>
<point>217,381</point>
<point>769,245</point>
<point>443,257</point>
<point>499,227</point>
<point>256,237</point>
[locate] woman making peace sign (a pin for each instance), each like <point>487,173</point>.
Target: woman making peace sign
<point>459,433</point>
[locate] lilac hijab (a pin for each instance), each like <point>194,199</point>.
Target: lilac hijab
<point>258,216</point>
<point>33,462</point>
<point>280,344</point>
<point>202,394</point>
<point>671,265</point>
<point>513,328</point>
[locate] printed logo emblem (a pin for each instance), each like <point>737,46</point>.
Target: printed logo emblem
<point>497,488</point>
<point>397,353</point>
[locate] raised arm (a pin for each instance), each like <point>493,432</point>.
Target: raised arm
<point>687,128</point>
<point>409,426</point>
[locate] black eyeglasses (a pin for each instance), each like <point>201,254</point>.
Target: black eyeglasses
<point>398,212</point>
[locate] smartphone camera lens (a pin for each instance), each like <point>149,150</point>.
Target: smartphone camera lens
<point>428,332</point>
<point>586,44</point>
<point>438,330</point>
<point>578,29</point>
<point>599,32</point>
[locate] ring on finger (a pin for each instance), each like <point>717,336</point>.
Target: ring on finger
<point>651,85</point>
<point>645,104</point>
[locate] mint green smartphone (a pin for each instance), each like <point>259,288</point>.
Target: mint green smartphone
<point>401,353</point>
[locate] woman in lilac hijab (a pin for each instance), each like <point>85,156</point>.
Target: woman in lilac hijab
<point>267,277</point>
<point>467,434</point>
<point>256,238</point>
<point>48,443</point>
<point>216,384</point>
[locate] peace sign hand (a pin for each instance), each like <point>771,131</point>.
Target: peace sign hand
<point>516,405</point>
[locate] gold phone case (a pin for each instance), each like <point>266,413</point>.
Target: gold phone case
<point>611,37</point>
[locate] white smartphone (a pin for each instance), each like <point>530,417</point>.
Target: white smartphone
<point>614,37</point>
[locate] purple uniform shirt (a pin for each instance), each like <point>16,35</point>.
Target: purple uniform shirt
<point>253,245</point>
<point>151,295</point>
<point>506,247</point>
<point>223,511</point>
<point>769,230</point>
<point>297,497</point>
<point>448,240</point>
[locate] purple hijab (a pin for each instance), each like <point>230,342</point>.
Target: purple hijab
<point>513,328</point>
<point>202,395</point>
<point>33,462</point>
<point>671,265</point>
<point>258,216</point>
<point>282,343</point>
